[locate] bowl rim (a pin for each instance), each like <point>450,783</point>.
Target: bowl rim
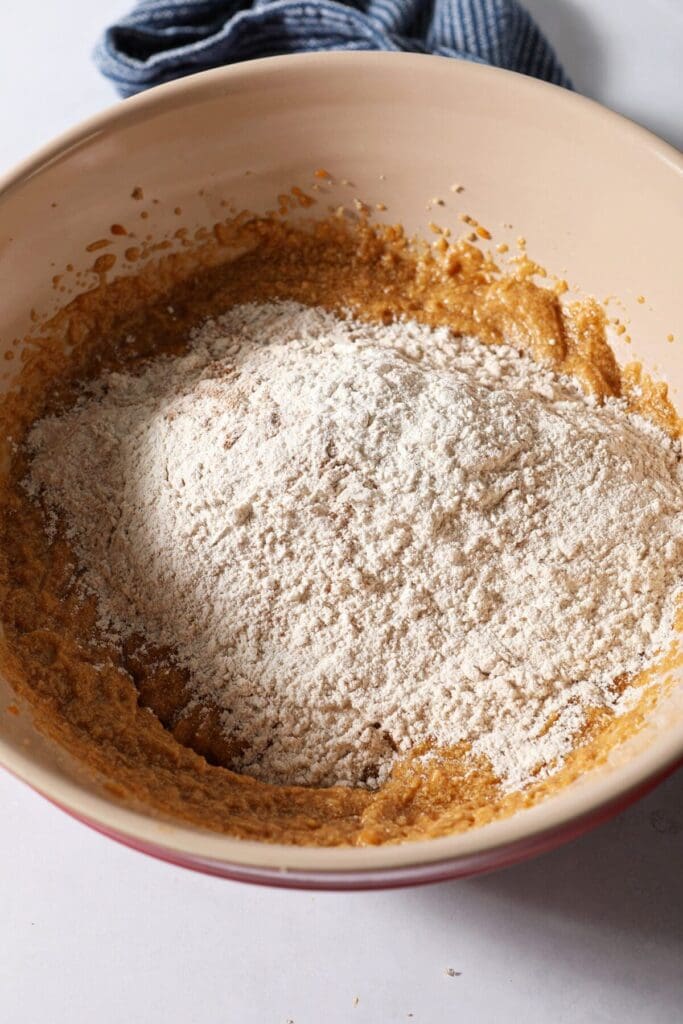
<point>134,108</point>
<point>558,817</point>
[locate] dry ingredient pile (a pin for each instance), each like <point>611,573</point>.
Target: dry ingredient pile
<point>355,538</point>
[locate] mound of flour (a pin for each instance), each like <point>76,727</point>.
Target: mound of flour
<point>356,537</point>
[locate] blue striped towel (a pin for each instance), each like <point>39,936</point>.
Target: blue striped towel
<point>164,39</point>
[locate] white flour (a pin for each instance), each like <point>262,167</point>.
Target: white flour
<point>358,537</point>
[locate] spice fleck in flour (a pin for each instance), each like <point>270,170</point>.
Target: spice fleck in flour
<point>355,538</point>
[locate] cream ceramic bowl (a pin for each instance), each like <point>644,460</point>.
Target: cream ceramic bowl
<point>597,199</point>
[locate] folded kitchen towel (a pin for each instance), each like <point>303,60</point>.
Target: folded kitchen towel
<point>165,39</point>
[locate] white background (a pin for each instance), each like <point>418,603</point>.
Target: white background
<point>92,932</point>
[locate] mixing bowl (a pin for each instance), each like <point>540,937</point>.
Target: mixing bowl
<point>598,200</point>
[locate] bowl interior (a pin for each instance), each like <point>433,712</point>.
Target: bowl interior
<point>597,199</point>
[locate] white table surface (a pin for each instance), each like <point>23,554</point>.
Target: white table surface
<point>90,931</point>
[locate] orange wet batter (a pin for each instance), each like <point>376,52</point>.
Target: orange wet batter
<point>125,715</point>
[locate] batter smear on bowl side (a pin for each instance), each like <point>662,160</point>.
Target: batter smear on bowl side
<point>364,554</point>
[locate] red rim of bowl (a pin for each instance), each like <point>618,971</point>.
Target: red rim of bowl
<point>448,869</point>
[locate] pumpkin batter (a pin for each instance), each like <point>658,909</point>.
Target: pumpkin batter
<point>125,714</point>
